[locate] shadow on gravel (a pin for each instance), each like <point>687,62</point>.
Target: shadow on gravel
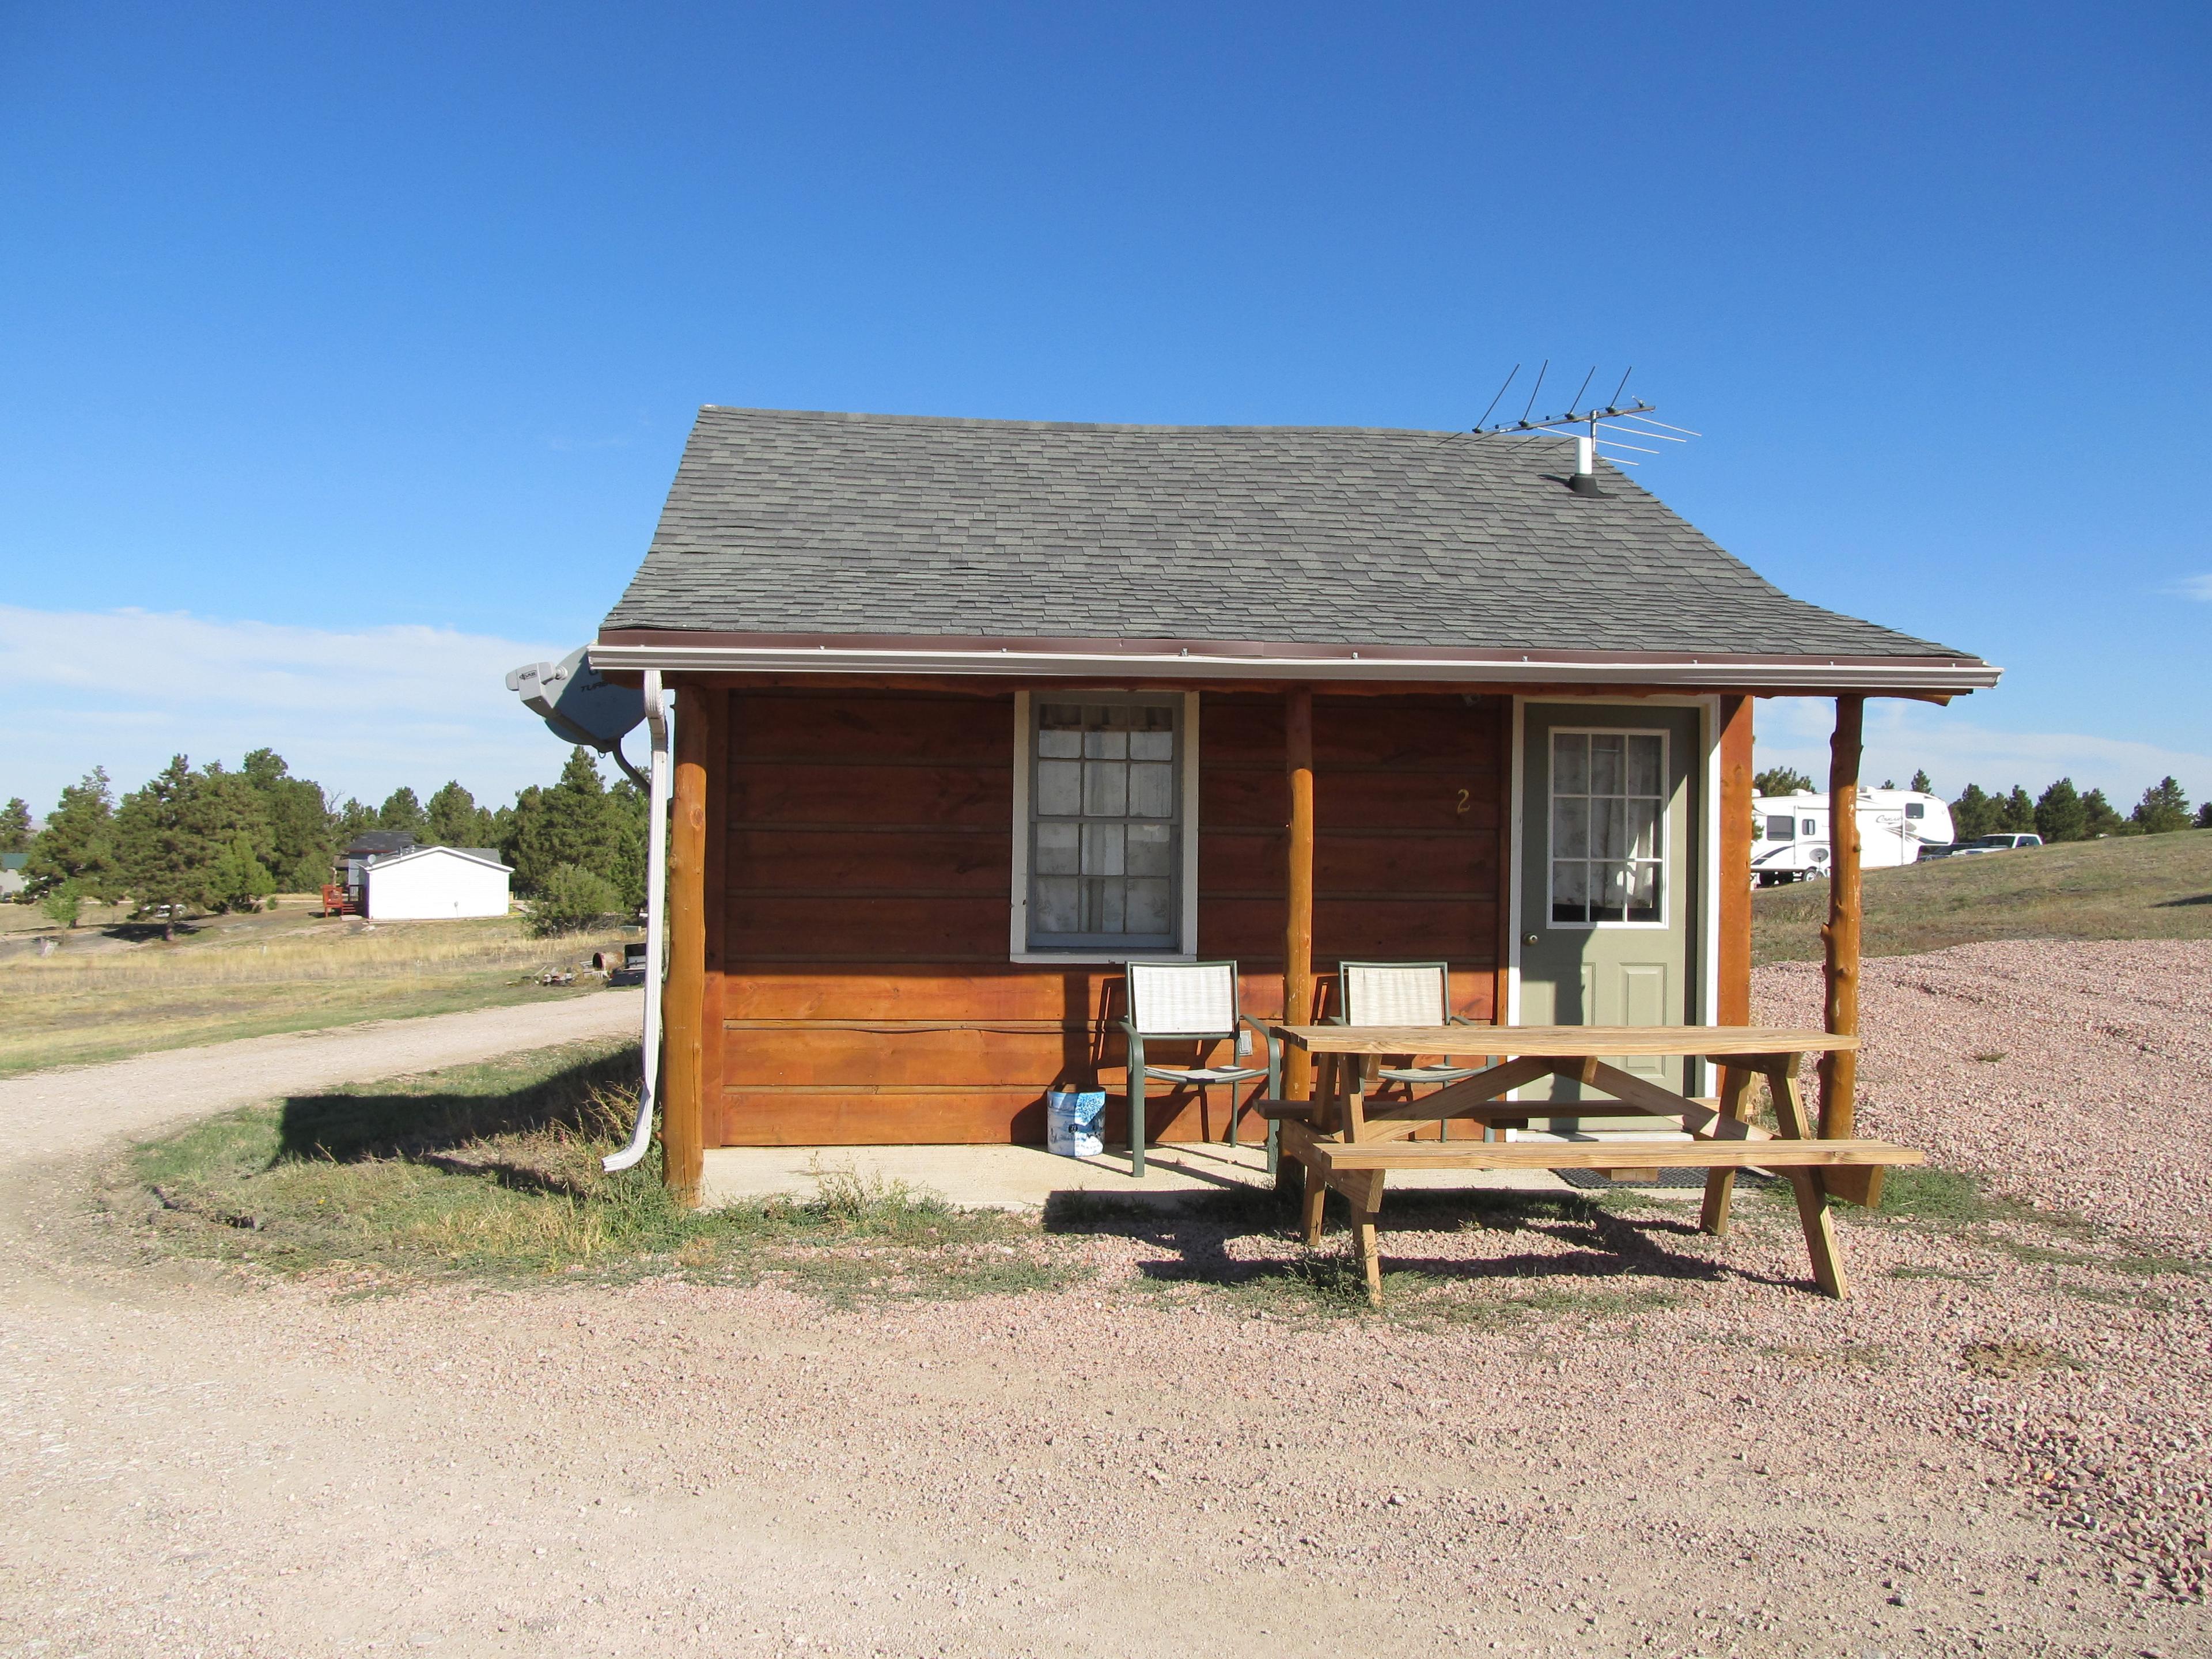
<point>1591,1240</point>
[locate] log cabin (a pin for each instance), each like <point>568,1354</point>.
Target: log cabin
<point>971,714</point>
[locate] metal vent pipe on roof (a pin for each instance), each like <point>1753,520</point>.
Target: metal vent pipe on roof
<point>1584,483</point>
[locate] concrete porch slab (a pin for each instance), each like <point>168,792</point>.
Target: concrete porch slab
<point>1027,1177</point>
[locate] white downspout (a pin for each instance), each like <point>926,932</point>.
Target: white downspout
<point>656,907</point>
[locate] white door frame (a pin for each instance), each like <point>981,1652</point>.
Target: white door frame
<point>1708,925</point>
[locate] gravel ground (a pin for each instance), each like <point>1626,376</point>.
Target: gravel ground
<point>2079,1077</point>
<point>1630,1438</point>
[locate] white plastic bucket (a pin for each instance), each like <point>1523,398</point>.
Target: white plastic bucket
<point>1075,1122</point>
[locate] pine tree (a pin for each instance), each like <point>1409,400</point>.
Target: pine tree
<point>2059,814</point>
<point>179,841</point>
<point>78,843</point>
<point>403,814</point>
<point>2099,819</point>
<point>16,825</point>
<point>2162,810</point>
<point>2205,816</point>
<point>2016,812</point>
<point>1780,781</point>
<point>1973,814</point>
<point>572,822</point>
<point>62,904</point>
<point>454,819</point>
<point>237,880</point>
<point>1922,784</point>
<point>518,826</point>
<point>302,830</point>
<point>350,818</point>
<point>158,859</point>
<point>632,811</point>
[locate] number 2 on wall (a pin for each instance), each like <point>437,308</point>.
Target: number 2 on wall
<point>1462,803</point>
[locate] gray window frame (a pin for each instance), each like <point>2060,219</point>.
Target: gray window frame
<point>1169,944</point>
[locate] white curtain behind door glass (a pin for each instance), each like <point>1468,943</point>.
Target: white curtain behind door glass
<point>1609,825</point>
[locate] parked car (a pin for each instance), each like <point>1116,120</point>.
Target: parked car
<point>2005,842</point>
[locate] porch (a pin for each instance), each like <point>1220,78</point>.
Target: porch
<point>1020,1177</point>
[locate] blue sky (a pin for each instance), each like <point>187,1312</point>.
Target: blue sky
<point>323,324</point>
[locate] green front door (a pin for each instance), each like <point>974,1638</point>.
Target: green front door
<point>1609,873</point>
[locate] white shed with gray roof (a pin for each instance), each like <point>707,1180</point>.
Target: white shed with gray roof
<point>436,884</point>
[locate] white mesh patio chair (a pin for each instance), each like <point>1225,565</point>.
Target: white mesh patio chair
<point>1187,1002</point>
<point>1403,993</point>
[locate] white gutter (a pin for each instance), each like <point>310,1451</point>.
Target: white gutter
<point>1719,672</point>
<point>656,908</point>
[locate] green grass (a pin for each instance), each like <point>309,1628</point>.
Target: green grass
<point>1925,1193</point>
<point>492,1172</point>
<point>1947,1202</point>
<point>2132,887</point>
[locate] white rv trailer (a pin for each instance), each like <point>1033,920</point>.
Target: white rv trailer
<point>1790,833</point>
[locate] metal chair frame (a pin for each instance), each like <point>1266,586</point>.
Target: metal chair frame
<point>1140,1073</point>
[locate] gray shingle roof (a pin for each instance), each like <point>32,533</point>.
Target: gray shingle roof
<point>782,522</point>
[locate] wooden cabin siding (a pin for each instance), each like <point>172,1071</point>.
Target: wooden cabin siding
<point>864,991</point>
<point>1409,810</point>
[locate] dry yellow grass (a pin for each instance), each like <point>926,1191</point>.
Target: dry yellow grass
<point>253,975</point>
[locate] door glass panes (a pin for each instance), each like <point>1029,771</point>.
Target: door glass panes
<point>1104,825</point>
<point>1609,825</point>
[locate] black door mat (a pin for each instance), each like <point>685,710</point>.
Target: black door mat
<point>1592,1180</point>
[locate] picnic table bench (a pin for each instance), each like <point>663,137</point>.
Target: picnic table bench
<point>1340,1139</point>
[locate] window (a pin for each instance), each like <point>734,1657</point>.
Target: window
<point>1812,826</point>
<point>1102,847</point>
<point>1609,825</point>
<point>1916,809</point>
<point>1783,827</point>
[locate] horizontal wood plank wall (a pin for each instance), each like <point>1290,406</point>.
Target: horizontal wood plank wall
<point>1408,802</point>
<point>866,996</point>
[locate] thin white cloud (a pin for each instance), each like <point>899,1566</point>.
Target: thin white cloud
<point>359,710</point>
<point>364,710</point>
<point>2194,587</point>
<point>1904,737</point>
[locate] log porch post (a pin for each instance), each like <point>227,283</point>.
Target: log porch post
<point>683,1016</point>
<point>1839,1073</point>
<point>1297,923</point>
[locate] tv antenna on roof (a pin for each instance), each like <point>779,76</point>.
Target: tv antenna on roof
<point>1633,420</point>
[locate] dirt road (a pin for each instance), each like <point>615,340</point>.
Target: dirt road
<point>198,1463</point>
<point>77,1108</point>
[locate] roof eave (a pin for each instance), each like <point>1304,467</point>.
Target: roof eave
<point>633,650</point>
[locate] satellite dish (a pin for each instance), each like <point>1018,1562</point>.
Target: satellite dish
<point>581,707</point>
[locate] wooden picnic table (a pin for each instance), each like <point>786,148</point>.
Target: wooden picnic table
<point>1342,1138</point>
